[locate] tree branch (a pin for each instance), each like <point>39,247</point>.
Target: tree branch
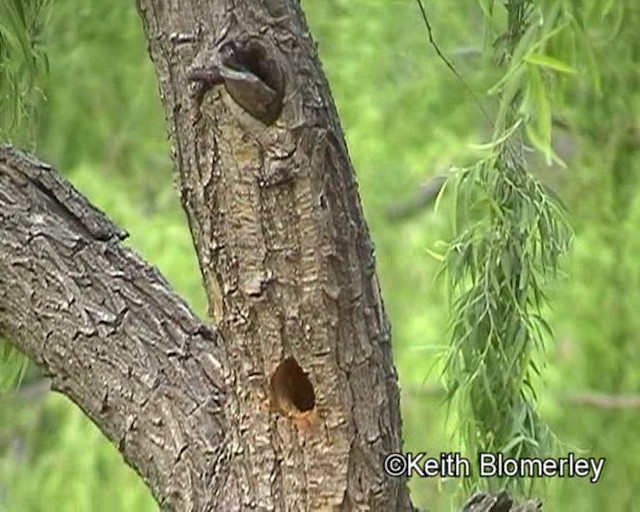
<point>110,332</point>
<point>601,401</point>
<point>423,197</point>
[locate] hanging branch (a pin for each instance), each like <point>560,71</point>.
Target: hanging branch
<point>510,234</point>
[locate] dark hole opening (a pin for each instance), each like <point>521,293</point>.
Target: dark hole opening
<point>291,385</point>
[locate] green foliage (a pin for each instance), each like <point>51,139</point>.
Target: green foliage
<point>22,64</point>
<point>100,69</point>
<point>12,366</point>
<point>57,460</point>
<point>509,235</point>
<point>509,239</point>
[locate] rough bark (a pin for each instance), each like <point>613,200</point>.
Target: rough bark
<point>108,330</point>
<point>499,502</point>
<point>286,257</point>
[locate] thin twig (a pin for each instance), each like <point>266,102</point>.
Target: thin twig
<point>448,62</point>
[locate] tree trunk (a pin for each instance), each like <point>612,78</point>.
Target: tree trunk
<point>284,250</point>
<point>293,402</point>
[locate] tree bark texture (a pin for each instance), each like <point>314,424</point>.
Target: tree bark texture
<point>108,330</point>
<point>284,250</point>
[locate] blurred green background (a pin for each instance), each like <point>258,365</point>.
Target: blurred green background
<point>406,118</point>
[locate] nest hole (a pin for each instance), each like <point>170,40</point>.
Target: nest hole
<point>291,390</point>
